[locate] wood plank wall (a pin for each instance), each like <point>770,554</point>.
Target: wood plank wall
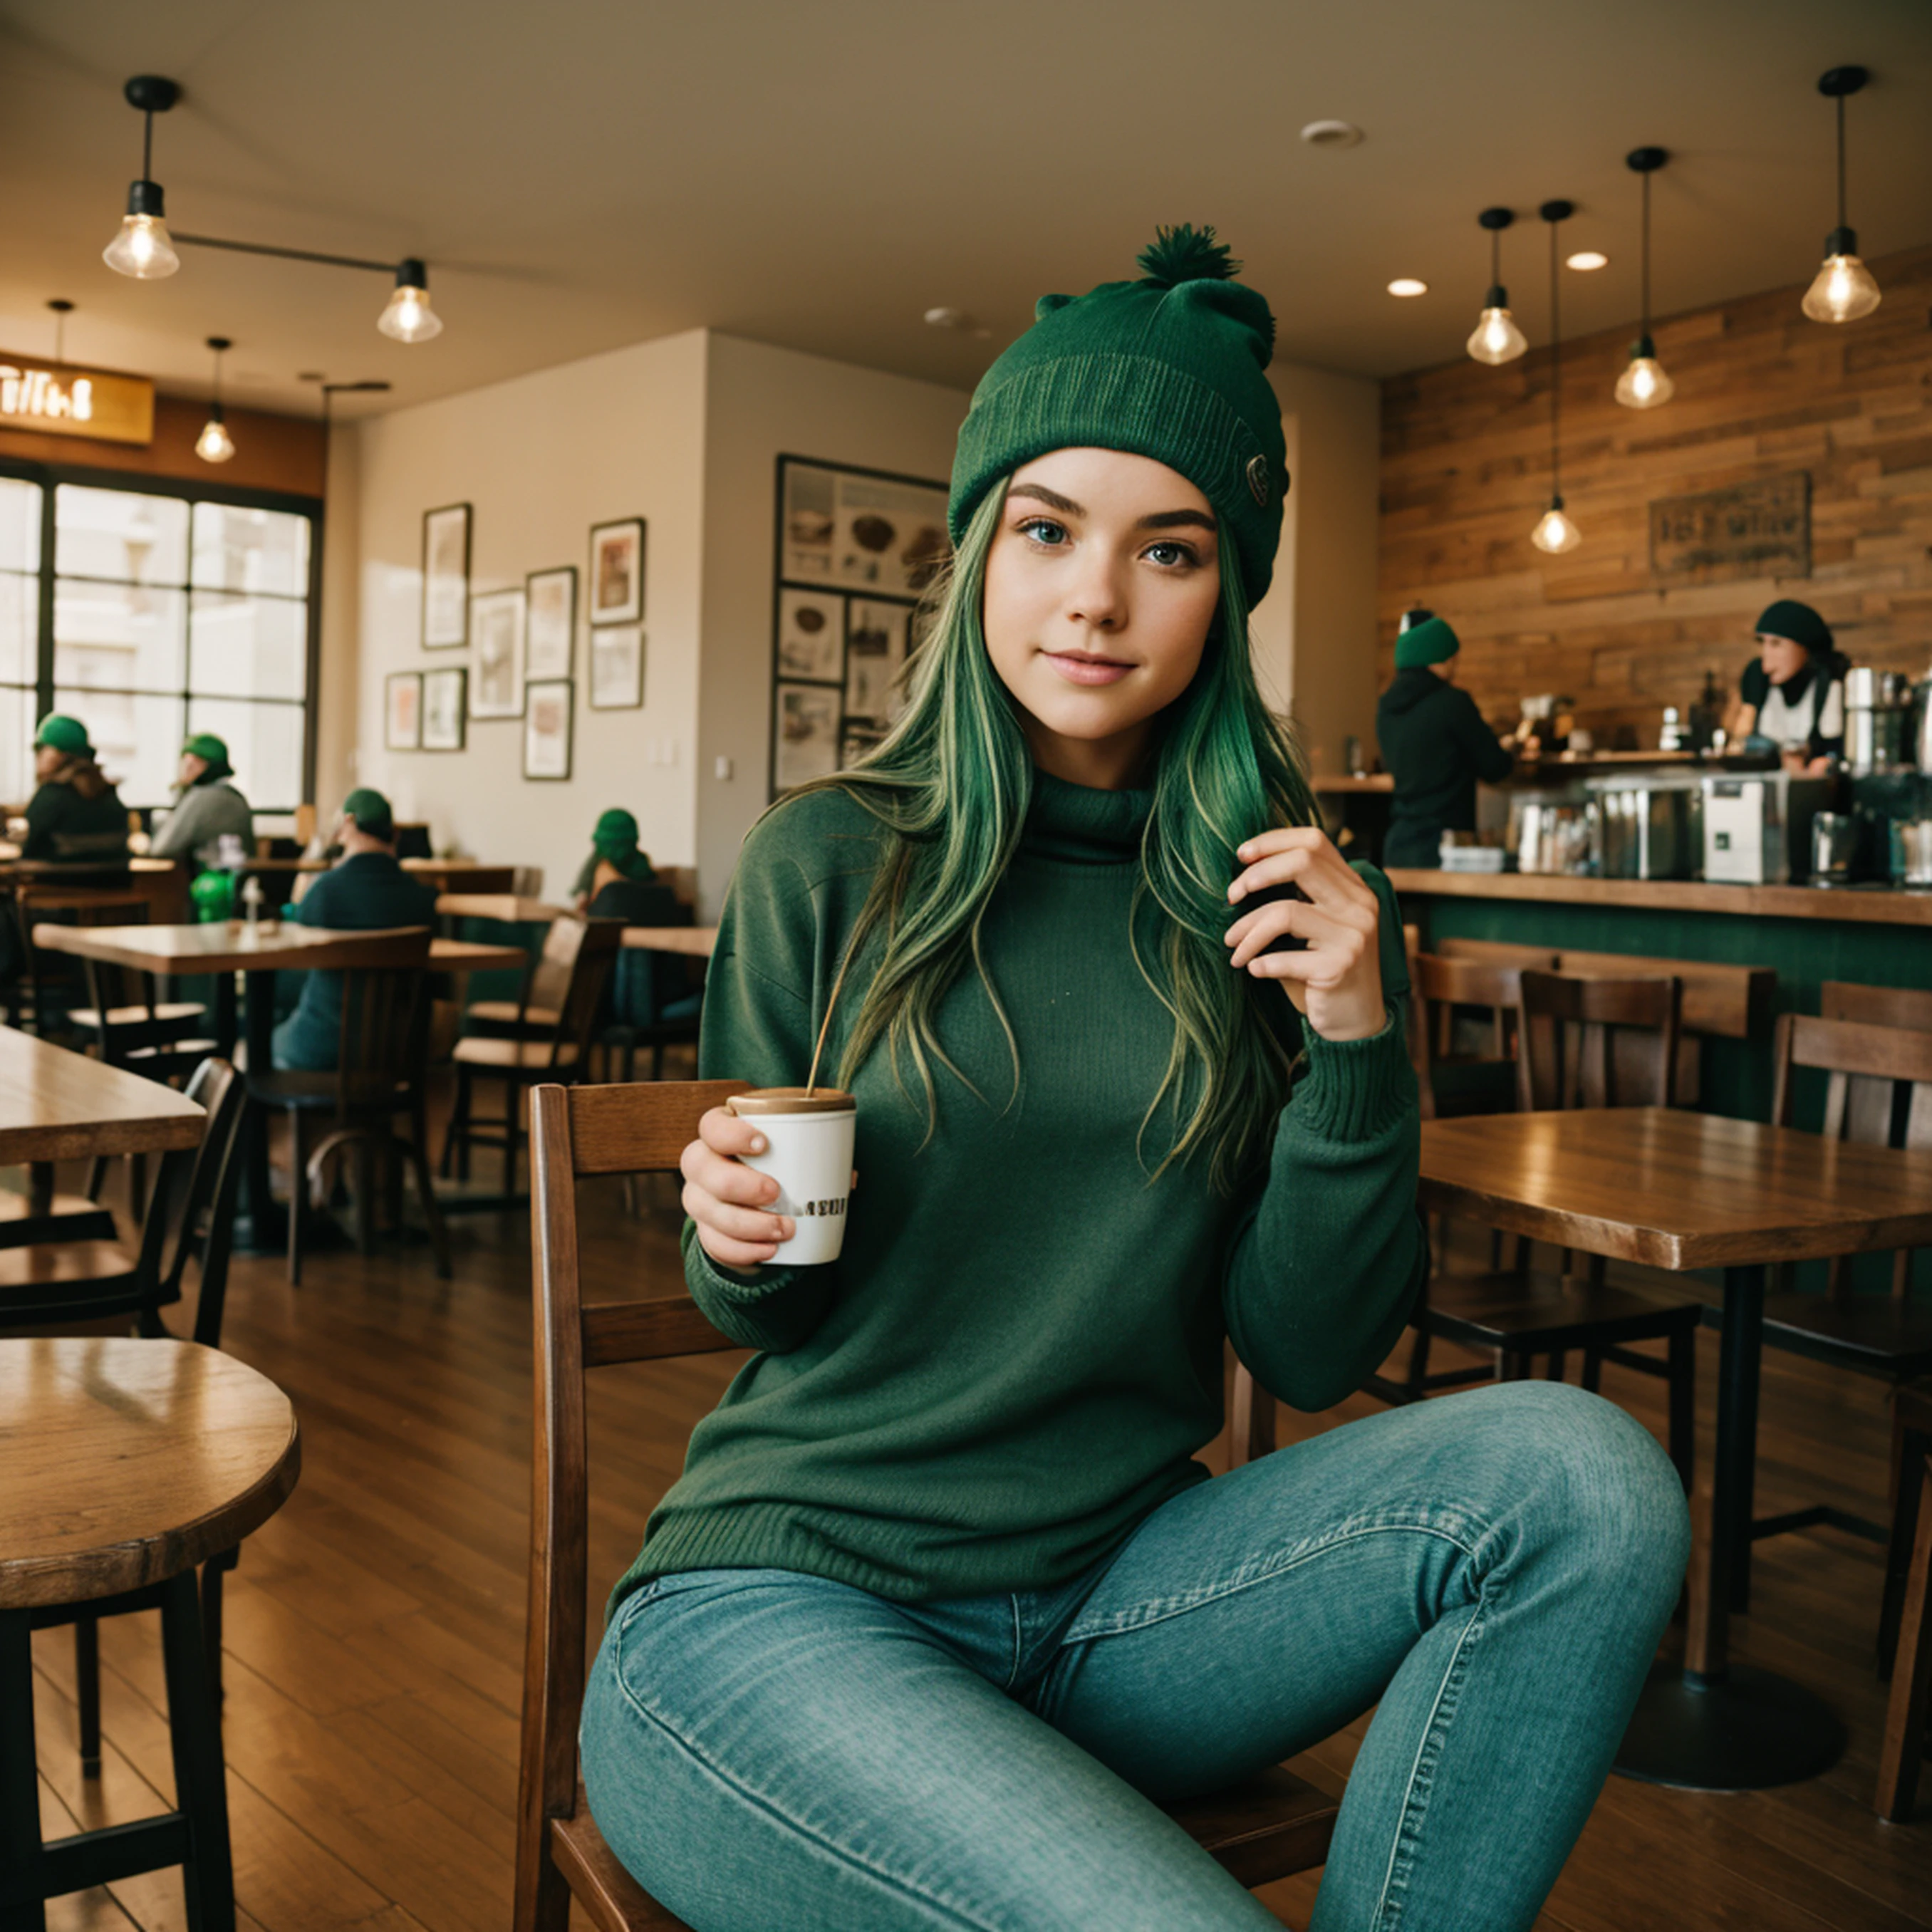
<point>1760,392</point>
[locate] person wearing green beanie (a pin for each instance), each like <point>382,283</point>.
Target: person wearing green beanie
<point>1124,1034</point>
<point>208,805</point>
<point>75,816</point>
<point>1434,744</point>
<point>366,890</point>
<point>613,856</point>
<point>1791,697</point>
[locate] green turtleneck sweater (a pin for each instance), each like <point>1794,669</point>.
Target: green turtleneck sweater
<point>1018,1353</point>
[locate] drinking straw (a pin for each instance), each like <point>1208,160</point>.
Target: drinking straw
<point>824,1025</point>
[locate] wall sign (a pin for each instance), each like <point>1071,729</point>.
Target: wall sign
<point>1759,529</point>
<point>58,399</point>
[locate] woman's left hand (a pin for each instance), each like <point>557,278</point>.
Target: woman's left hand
<point>1337,980</point>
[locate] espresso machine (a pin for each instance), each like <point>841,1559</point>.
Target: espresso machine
<point>1757,826</point>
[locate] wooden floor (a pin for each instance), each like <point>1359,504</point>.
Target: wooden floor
<point>374,1628</point>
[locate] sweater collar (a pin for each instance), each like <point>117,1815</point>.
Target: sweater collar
<point>1077,824</point>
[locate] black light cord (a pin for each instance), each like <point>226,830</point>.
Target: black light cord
<point>1555,363</point>
<point>1645,329</point>
<point>1841,161</point>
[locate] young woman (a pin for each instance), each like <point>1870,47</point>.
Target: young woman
<point>943,1608</point>
<point>1791,696</point>
<point>614,857</point>
<point>208,804</point>
<point>75,814</point>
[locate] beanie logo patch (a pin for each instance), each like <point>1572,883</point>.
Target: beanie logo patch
<point>1258,480</point>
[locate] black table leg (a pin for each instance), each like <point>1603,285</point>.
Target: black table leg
<point>261,1227</point>
<point>22,1883</point>
<point>225,1031</point>
<point>201,1788</point>
<point>1713,1725</point>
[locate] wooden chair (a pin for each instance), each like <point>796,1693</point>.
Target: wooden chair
<point>534,1012</point>
<point>192,1218</point>
<point>1447,993</point>
<point>64,895</point>
<point>379,1075</point>
<point>1567,1057</point>
<point>1273,1825</point>
<point>1907,1654</point>
<point>589,947</point>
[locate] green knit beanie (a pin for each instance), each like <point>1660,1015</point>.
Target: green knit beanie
<point>1431,642</point>
<point>60,733</point>
<point>615,835</point>
<point>206,745</point>
<point>370,811</point>
<point>1170,367</point>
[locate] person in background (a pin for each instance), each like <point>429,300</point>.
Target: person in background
<point>207,806</point>
<point>1434,742</point>
<point>1792,699</point>
<point>613,856</point>
<point>365,891</point>
<point>76,815</point>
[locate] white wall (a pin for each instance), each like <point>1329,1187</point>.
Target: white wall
<point>1316,631</point>
<point>766,402</point>
<point>541,459</point>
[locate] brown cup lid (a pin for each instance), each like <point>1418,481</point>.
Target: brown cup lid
<point>791,1100</point>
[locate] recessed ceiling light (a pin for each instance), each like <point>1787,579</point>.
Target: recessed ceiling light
<point>1587,258</point>
<point>1331,134</point>
<point>1407,285</point>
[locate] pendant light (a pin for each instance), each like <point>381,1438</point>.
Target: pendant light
<point>214,445</point>
<point>1843,288</point>
<point>408,317</point>
<point>1555,532</point>
<point>142,249</point>
<point>1643,385</point>
<point>1496,338</point>
<point>62,309</point>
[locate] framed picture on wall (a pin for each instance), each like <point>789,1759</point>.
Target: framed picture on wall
<point>443,709</point>
<point>807,730</point>
<point>496,620</point>
<point>547,729</point>
<point>875,640</point>
<point>617,571</point>
<point>402,711</point>
<point>811,636</point>
<point>617,668</point>
<point>550,629</point>
<point>445,577</point>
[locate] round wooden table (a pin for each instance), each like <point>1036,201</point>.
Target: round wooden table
<point>125,1464</point>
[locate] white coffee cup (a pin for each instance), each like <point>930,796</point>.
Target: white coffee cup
<point>808,1153</point>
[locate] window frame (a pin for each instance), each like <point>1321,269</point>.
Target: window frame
<point>50,475</point>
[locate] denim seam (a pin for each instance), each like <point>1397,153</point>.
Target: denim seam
<point>1145,1616</point>
<point>759,1802</point>
<point>1421,1778</point>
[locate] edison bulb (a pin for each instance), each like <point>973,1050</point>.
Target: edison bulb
<point>1643,385</point>
<point>1497,338</point>
<point>214,445</point>
<point>1555,532</point>
<point>1842,291</point>
<point>408,317</point>
<point>142,249</point>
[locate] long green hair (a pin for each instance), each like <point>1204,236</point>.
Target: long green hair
<point>951,784</point>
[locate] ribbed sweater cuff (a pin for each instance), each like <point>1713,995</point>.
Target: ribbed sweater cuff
<point>746,1290</point>
<point>1354,1090</point>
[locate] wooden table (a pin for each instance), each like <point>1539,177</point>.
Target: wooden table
<point>225,947</point>
<point>59,1105</point>
<point>1679,1190</point>
<point>505,907</point>
<point>126,1464</point>
<point>696,941</point>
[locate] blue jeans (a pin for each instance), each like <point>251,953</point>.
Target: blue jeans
<point>769,1750</point>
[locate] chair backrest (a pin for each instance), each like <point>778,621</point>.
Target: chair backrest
<point>1439,987</point>
<point>574,1131</point>
<point>598,940</point>
<point>549,980</point>
<point>194,1219</point>
<point>643,984</point>
<point>384,1032</point>
<point>1573,1050</point>
<point>1873,1105</point>
<point>1858,1051</point>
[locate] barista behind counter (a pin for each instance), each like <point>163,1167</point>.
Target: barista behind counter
<point>1434,743</point>
<point>1792,699</point>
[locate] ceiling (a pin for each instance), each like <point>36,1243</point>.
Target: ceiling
<point>587,173</point>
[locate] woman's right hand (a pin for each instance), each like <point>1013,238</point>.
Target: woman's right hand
<point>727,1199</point>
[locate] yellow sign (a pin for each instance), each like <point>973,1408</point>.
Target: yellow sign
<point>59,401</point>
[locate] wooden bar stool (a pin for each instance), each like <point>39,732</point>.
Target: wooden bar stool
<point>1274,1824</point>
<point>126,1463</point>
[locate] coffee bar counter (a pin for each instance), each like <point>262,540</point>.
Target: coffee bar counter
<point>1880,936</point>
<point>1855,905</point>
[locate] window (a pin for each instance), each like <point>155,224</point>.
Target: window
<point>150,616</point>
